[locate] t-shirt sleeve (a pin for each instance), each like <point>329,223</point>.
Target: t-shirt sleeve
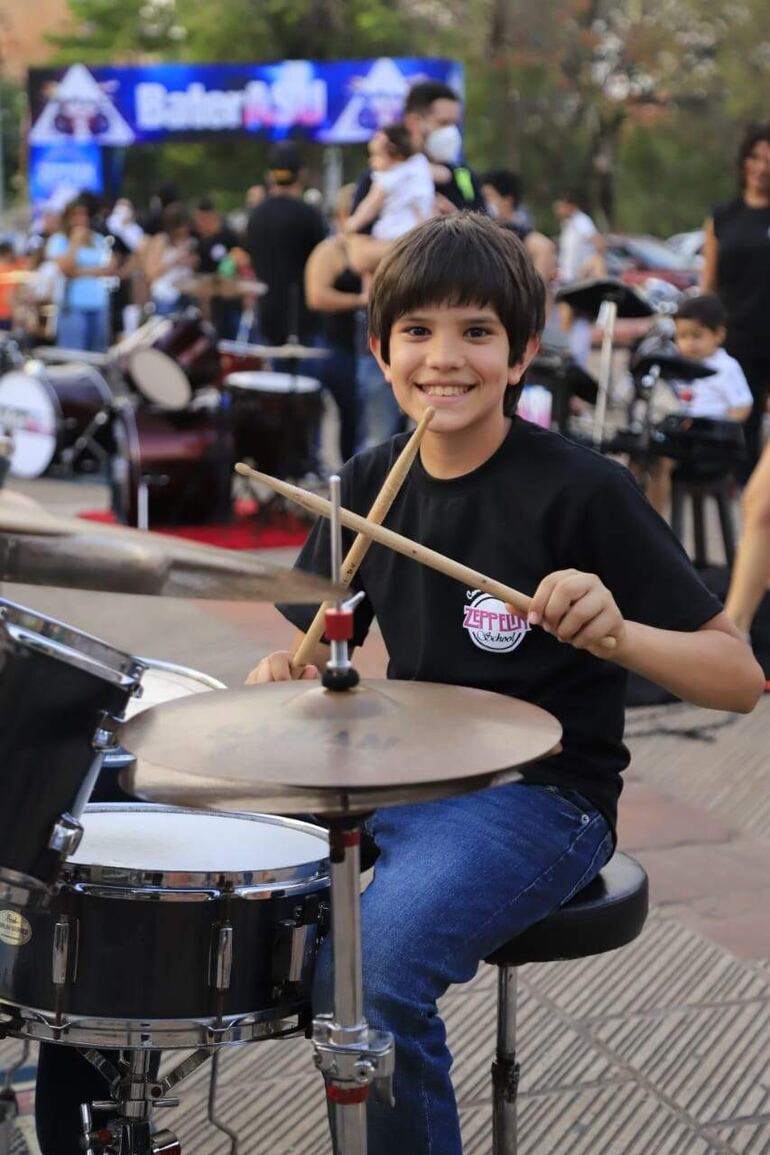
<point>620,537</point>
<point>738,391</point>
<point>315,557</point>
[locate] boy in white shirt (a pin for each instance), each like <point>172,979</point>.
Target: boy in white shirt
<point>725,396</point>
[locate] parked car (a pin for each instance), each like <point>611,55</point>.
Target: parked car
<point>689,245</point>
<point>636,258</point>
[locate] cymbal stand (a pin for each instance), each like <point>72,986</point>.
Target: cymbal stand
<point>351,1056</point>
<point>135,1093</point>
<point>608,315</point>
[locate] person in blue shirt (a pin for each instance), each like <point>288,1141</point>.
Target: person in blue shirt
<point>85,260</point>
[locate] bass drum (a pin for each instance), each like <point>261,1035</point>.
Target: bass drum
<point>46,409</point>
<point>184,459</point>
<point>275,421</point>
<point>182,358</point>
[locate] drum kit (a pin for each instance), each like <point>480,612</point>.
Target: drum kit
<point>166,412</point>
<point>188,914</point>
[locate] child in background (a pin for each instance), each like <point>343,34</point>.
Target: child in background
<point>402,192</point>
<point>725,396</point>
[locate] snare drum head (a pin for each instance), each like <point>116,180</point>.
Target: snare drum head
<point>264,382</point>
<point>137,837</point>
<point>163,682</point>
<point>159,379</point>
<point>28,411</point>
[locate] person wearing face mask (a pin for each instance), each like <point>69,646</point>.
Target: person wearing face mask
<point>432,114</point>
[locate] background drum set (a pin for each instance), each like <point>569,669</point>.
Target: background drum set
<point>165,413</point>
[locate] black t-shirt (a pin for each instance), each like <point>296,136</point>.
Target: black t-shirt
<point>743,276</point>
<point>281,234</point>
<point>214,248</point>
<point>539,504</point>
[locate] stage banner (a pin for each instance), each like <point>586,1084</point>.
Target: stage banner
<point>337,102</point>
<point>58,172</point>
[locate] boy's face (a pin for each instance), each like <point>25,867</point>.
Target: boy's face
<point>454,358</point>
<point>694,340</point>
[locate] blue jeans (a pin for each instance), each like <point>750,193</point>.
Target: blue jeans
<point>82,329</point>
<point>338,375</point>
<point>455,880</point>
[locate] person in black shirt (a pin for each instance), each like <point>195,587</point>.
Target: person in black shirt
<point>455,311</point>
<point>737,268</point>
<point>216,242</point>
<point>432,113</point>
<point>281,234</point>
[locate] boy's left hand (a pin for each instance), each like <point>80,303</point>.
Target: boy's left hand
<point>577,608</point>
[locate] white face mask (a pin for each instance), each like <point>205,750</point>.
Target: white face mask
<point>444,145</point>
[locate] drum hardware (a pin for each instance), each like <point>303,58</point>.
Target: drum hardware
<point>45,549</point>
<point>606,299</point>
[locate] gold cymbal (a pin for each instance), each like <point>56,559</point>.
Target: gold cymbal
<point>286,747</point>
<point>41,548</point>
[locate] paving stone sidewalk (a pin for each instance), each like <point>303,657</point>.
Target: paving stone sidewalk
<point>660,1049</point>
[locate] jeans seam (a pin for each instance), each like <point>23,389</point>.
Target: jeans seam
<point>583,830</point>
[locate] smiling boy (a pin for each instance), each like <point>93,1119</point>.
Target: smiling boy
<point>455,312</point>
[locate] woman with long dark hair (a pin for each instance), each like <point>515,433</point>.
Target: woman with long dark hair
<point>737,268</point>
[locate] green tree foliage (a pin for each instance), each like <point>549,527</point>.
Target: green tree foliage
<point>637,102</point>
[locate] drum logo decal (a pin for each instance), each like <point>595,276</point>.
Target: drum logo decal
<point>14,928</point>
<point>491,625</point>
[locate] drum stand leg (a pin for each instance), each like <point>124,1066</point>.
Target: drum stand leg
<point>349,1054</point>
<point>135,1093</point>
<point>607,317</point>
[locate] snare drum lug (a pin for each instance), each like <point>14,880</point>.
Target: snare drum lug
<point>223,958</point>
<point>65,835</point>
<point>61,953</point>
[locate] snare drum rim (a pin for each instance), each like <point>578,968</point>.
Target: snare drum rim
<point>65,643</point>
<point>138,883</point>
<point>207,680</point>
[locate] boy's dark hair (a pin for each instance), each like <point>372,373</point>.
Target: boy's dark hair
<point>753,135</point>
<point>505,182</point>
<point>707,310</point>
<point>421,96</point>
<point>399,140</point>
<point>460,259</point>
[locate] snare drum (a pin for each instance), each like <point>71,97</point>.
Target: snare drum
<point>46,409</point>
<point>184,458</point>
<point>182,358</point>
<point>161,682</point>
<point>60,692</point>
<point>275,419</point>
<point>171,928</point>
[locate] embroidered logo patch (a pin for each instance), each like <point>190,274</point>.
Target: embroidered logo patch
<point>491,625</point>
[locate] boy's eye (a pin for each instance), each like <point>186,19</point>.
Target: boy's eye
<point>478,331</point>
<point>415,330</point>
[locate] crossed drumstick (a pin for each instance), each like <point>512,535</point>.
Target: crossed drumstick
<point>370,529</point>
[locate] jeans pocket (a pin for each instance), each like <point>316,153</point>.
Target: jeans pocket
<point>574,803</point>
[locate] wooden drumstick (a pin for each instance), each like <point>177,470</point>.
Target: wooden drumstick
<point>358,549</point>
<point>400,544</point>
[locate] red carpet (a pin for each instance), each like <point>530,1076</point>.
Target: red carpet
<point>245,531</point>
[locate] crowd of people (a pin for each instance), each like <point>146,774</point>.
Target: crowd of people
<point>96,273</point>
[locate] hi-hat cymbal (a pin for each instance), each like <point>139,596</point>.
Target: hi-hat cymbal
<point>41,548</point>
<point>587,296</point>
<point>289,352</point>
<point>672,366</point>
<point>286,747</point>
<point>213,285</point>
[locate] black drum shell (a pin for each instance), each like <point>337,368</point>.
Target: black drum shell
<point>144,958</point>
<point>50,711</point>
<point>185,458</point>
<point>277,431</point>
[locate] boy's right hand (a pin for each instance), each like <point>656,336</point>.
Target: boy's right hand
<point>277,667</point>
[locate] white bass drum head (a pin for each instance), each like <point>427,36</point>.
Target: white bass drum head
<point>28,412</point>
